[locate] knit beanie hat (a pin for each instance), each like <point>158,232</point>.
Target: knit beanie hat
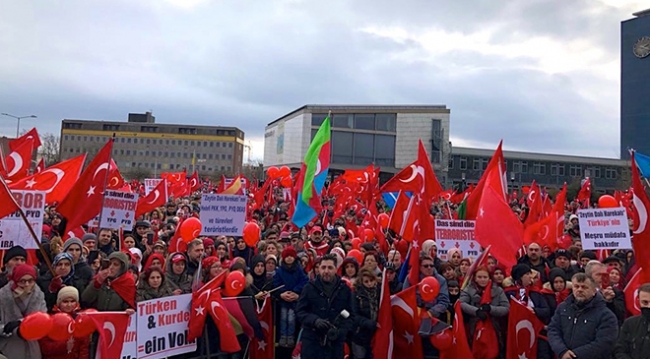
<point>519,270</point>
<point>289,252</point>
<point>88,237</point>
<point>67,292</point>
<point>70,242</point>
<point>21,271</point>
<point>13,252</point>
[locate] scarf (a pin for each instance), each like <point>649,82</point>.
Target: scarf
<point>124,286</point>
<point>61,256</point>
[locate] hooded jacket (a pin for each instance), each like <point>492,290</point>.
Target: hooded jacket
<point>182,281</point>
<point>102,297</point>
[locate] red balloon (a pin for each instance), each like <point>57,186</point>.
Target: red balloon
<point>383,220</point>
<point>251,234</point>
<point>35,326</point>
<point>284,171</point>
<point>442,341</point>
<point>356,243</point>
<point>235,283</point>
<point>356,254</point>
<point>607,201</point>
<point>190,229</point>
<point>273,172</point>
<point>429,289</point>
<point>286,181</point>
<point>83,326</point>
<point>62,327</point>
<point>369,234</point>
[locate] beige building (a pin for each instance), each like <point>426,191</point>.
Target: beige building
<point>146,146</point>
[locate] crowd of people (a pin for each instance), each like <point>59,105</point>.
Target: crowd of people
<point>325,301</point>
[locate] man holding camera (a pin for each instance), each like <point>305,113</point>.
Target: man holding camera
<point>324,310</point>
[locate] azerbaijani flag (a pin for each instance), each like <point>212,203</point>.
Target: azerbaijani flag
<point>312,176</point>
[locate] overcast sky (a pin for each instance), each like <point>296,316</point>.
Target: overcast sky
<point>541,74</point>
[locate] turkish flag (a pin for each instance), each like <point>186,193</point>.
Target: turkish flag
<point>176,183</point>
<point>460,346</point>
<point>56,181</point>
<point>265,348</point>
<point>115,179</point>
<point>195,182</point>
<point>402,217</point>
<point>406,323</point>
<point>31,135</point>
<point>40,166</point>
<point>498,226</point>
<point>382,342</point>
<point>585,192</point>
<point>18,162</point>
<point>485,336</point>
<point>111,327</point>
<point>641,230</point>
<point>495,173</point>
<point>9,204</point>
<point>85,199</point>
<point>156,198</point>
<point>535,205</point>
<point>523,330</point>
<point>545,232</point>
<point>631,292</point>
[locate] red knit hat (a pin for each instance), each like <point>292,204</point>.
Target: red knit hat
<point>20,271</point>
<point>289,252</point>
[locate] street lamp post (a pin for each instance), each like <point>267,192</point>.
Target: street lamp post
<point>18,118</point>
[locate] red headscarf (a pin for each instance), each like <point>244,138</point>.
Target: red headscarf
<point>153,256</point>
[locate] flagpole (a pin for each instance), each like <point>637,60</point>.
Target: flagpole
<point>108,170</point>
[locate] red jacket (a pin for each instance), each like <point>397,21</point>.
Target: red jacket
<point>59,350</point>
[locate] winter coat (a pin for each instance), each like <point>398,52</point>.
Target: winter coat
<point>365,306</point>
<point>50,298</point>
<point>438,307</point>
<point>145,292</point>
<point>182,281</point>
<point>617,305</point>
<point>83,273</point>
<point>633,339</point>
<point>292,277</point>
<point>14,346</point>
<point>51,349</point>
<point>540,304</point>
<point>315,304</point>
<point>247,254</point>
<point>470,302</point>
<point>589,331</point>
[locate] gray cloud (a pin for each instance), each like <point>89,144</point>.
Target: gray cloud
<point>245,64</point>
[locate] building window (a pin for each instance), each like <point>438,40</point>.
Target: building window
<point>363,143</point>
<point>211,144</point>
<point>364,121</point>
<point>72,126</point>
<point>187,131</point>
<point>218,144</point>
<point>476,164</point>
<point>223,156</point>
<point>539,168</point>
<point>450,164</point>
<point>186,142</point>
<point>230,145</point>
<point>191,143</point>
<point>463,163</point>
<point>595,172</point>
<point>557,169</point>
<point>210,156</point>
<point>386,122</point>
<point>342,147</point>
<point>611,173</point>
<point>343,120</point>
<point>149,129</point>
<point>174,142</point>
<point>65,137</point>
<point>385,150</point>
<point>317,119</point>
<point>148,141</point>
<point>575,171</point>
<point>146,153</point>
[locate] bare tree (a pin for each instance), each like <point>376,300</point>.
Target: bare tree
<point>50,149</point>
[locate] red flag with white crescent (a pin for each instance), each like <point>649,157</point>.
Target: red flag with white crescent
<point>523,330</point>
<point>111,327</point>
<point>56,181</point>
<point>264,348</point>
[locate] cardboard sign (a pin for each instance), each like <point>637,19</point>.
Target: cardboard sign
<point>451,233</point>
<point>119,210</point>
<point>604,228</point>
<point>223,214</point>
<point>14,231</point>
<point>150,184</point>
<point>163,327</point>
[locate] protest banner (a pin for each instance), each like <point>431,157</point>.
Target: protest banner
<point>150,184</point>
<point>456,234</point>
<point>223,214</point>
<point>118,210</point>
<point>13,230</point>
<point>94,223</point>
<point>163,327</point>
<point>604,228</point>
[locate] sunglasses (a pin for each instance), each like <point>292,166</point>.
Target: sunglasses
<point>427,265</point>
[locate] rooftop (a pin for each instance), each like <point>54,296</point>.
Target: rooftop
<point>539,156</point>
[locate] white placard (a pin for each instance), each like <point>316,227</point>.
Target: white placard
<point>14,231</point>
<point>94,223</point>
<point>604,228</point>
<point>150,184</point>
<point>223,214</point>
<point>456,234</point>
<point>118,210</point>
<point>163,327</point>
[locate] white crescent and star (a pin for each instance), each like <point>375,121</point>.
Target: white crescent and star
<point>59,176</point>
<point>18,164</point>
<point>111,328</point>
<point>396,301</point>
<point>530,195</point>
<point>193,182</point>
<point>155,197</point>
<point>426,288</point>
<point>215,305</point>
<point>525,324</point>
<point>545,231</point>
<point>415,171</point>
<point>103,166</point>
<point>70,327</point>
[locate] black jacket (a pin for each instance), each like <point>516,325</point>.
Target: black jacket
<point>617,306</point>
<point>365,305</point>
<point>315,304</point>
<point>589,331</point>
<point>633,341</point>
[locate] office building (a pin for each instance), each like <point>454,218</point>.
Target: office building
<point>635,87</point>
<point>362,135</point>
<point>552,171</point>
<point>146,146</point>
